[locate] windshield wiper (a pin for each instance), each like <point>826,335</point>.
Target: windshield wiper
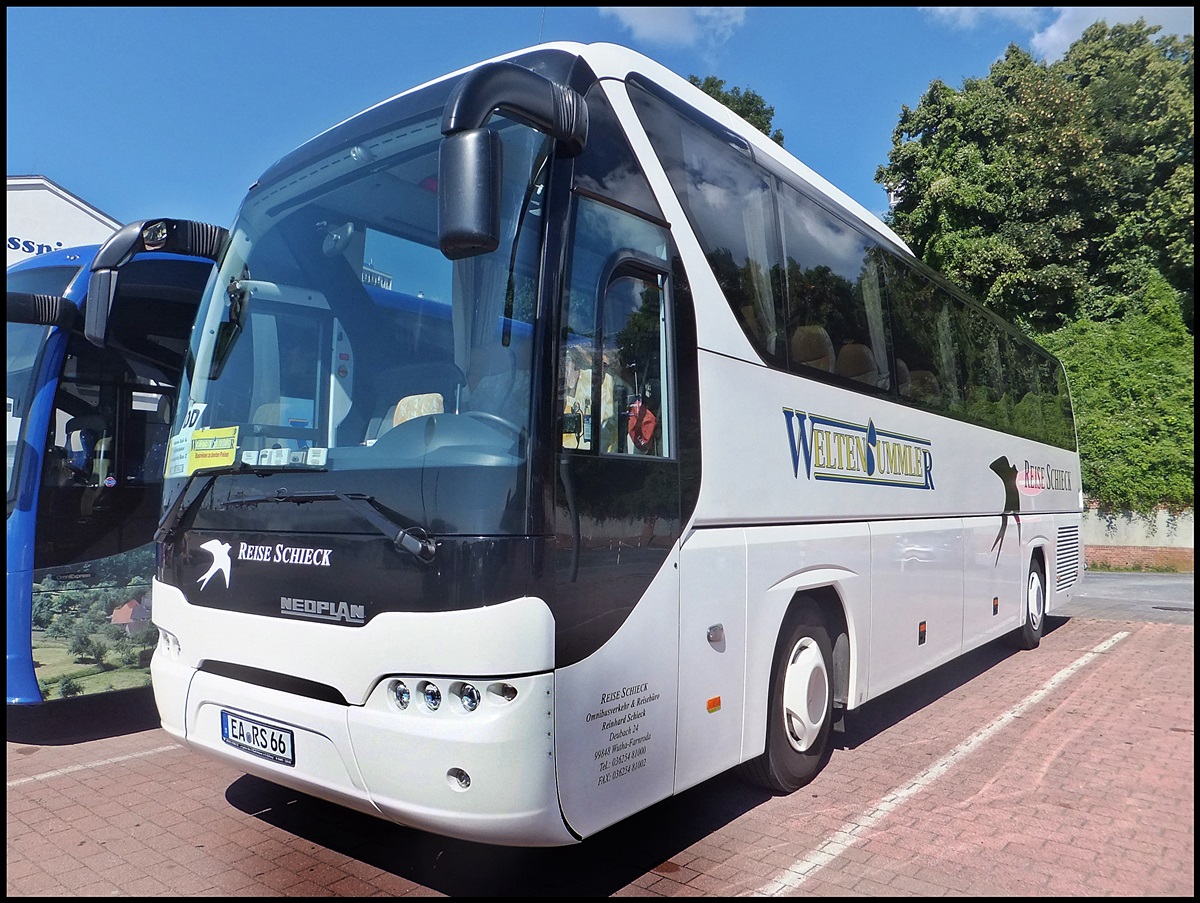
<point>411,539</point>
<point>178,510</point>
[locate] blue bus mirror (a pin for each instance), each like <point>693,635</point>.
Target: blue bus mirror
<point>175,236</point>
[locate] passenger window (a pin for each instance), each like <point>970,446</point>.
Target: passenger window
<point>835,320</point>
<point>729,203</point>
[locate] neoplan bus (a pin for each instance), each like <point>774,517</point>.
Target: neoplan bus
<point>91,391</point>
<point>686,456</point>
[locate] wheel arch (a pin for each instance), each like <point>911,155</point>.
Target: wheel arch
<point>825,603</point>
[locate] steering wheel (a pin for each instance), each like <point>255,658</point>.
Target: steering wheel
<point>496,420</point>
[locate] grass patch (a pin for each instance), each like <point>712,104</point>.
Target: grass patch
<point>54,663</point>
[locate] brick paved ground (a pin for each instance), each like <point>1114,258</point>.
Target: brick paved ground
<point>1089,790</point>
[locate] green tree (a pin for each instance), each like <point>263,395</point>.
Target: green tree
<point>1141,104</point>
<point>1055,191</point>
<point>748,104</point>
<point>69,687</point>
<point>1133,389</point>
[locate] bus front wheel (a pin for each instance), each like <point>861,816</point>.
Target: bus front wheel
<point>800,708</point>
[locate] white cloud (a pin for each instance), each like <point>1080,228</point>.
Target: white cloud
<point>679,25</point>
<point>972,16</point>
<point>1051,40</point>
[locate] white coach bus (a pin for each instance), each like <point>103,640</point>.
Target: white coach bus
<point>553,441</point>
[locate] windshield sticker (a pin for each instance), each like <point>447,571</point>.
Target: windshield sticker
<point>181,443</point>
<point>205,448</point>
<point>840,452</point>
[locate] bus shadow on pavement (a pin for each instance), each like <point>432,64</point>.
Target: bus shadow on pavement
<point>61,722</point>
<point>893,707</point>
<point>598,867</point>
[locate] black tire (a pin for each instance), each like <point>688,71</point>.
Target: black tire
<point>797,733</point>
<point>1029,634</point>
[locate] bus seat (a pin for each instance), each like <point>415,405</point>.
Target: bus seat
<point>84,437</point>
<point>269,413</point>
<point>492,367</point>
<point>925,386</point>
<point>495,384</point>
<point>411,406</point>
<point>412,390</point>
<point>147,433</point>
<point>856,361</point>
<point>812,347</point>
<point>903,378</point>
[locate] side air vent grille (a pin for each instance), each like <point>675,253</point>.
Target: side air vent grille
<point>1066,566</point>
<point>273,680</point>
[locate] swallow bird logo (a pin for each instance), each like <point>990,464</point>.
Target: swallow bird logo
<point>220,553</point>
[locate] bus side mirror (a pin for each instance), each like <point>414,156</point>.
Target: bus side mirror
<point>469,160</point>
<point>42,310</point>
<point>469,178</point>
<point>174,236</point>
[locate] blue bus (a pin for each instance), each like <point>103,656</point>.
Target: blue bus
<point>91,391</point>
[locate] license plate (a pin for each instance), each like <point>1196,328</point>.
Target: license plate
<point>274,743</point>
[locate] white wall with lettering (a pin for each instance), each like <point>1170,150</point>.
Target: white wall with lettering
<point>43,217</point>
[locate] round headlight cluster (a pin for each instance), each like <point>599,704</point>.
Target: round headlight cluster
<point>468,695</point>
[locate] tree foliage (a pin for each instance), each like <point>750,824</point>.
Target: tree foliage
<point>746,103</point>
<point>1061,195</point>
<point>1134,396</point>
<point>1055,191</point>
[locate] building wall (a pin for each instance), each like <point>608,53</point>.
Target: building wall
<point>1119,539</point>
<point>43,216</point>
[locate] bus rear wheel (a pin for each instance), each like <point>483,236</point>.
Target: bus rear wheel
<point>1029,634</point>
<point>800,709</point>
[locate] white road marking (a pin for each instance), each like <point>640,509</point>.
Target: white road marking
<point>47,775</point>
<point>850,833</point>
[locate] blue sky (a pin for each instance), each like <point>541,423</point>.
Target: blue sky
<point>176,111</point>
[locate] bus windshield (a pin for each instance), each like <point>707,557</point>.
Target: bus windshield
<point>339,350</point>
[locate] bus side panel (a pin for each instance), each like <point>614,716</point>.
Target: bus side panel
<point>917,567</point>
<point>614,714</point>
<point>713,637</point>
<point>992,598</point>
<point>20,684</point>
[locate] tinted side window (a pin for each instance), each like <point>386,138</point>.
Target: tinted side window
<point>927,344</point>
<point>729,204</point>
<point>607,166</point>
<point>836,320</point>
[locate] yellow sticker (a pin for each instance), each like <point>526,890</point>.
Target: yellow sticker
<point>212,448</point>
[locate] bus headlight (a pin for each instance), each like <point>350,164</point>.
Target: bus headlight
<point>433,696</point>
<point>401,694</point>
<point>469,697</point>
